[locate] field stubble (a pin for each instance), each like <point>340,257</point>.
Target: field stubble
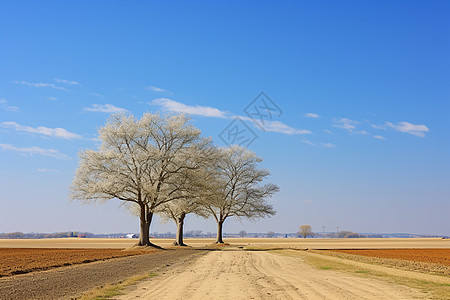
<point>15,261</point>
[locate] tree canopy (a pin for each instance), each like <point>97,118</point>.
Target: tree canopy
<point>161,164</point>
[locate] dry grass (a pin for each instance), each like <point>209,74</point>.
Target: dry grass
<point>435,290</point>
<point>108,291</point>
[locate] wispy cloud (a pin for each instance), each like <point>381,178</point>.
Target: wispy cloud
<point>198,110</point>
<point>5,106</point>
<point>379,137</point>
<point>311,115</point>
<point>41,85</point>
<point>378,126</point>
<point>276,126</point>
<point>63,81</point>
<point>34,151</point>
<point>52,98</point>
<point>48,170</point>
<point>98,95</point>
<point>50,132</point>
<point>155,89</point>
<point>362,132</point>
<point>406,127</point>
<point>346,124</point>
<point>326,145</point>
<point>207,111</point>
<point>105,108</point>
<point>417,130</point>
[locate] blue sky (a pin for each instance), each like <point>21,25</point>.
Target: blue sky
<point>361,140</point>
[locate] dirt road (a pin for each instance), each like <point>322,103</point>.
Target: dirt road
<point>261,275</point>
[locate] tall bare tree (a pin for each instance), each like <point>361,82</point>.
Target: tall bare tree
<point>177,211</point>
<point>193,195</point>
<point>305,230</point>
<point>237,190</point>
<point>139,162</point>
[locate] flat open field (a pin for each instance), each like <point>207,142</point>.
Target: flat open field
<point>247,268</point>
<point>24,260</point>
<point>436,256</point>
<point>426,243</point>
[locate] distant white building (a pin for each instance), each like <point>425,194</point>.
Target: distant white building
<point>131,236</point>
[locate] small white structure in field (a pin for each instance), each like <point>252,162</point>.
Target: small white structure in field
<point>131,236</point>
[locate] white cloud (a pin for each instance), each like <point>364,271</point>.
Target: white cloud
<point>5,106</point>
<point>155,89</point>
<point>52,98</point>
<point>174,106</point>
<point>276,126</point>
<point>105,108</point>
<point>309,143</point>
<point>34,150</point>
<point>51,132</point>
<point>98,95</point>
<point>417,130</point>
<point>311,115</point>
<point>326,145</point>
<point>39,85</point>
<point>48,170</point>
<point>207,111</point>
<point>63,81</point>
<point>362,132</point>
<point>378,126</point>
<point>327,131</point>
<point>379,137</point>
<point>346,124</point>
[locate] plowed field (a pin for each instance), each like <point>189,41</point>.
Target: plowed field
<point>24,260</point>
<point>436,256</point>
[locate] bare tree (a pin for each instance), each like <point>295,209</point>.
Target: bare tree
<point>242,233</point>
<point>177,211</point>
<point>270,234</point>
<point>305,230</point>
<point>193,192</point>
<point>139,162</point>
<point>236,188</point>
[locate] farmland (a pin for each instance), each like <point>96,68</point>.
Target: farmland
<point>437,256</point>
<point>258,268</point>
<point>24,260</point>
<point>98,243</point>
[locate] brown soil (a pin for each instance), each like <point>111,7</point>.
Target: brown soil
<point>71,281</point>
<point>434,261</point>
<point>24,260</point>
<point>436,256</point>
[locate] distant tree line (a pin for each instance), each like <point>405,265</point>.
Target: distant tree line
<point>37,235</point>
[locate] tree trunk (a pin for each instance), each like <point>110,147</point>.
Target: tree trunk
<point>219,239</point>
<point>144,236</point>
<point>179,238</point>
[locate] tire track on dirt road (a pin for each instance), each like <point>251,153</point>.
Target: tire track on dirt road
<point>241,274</point>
